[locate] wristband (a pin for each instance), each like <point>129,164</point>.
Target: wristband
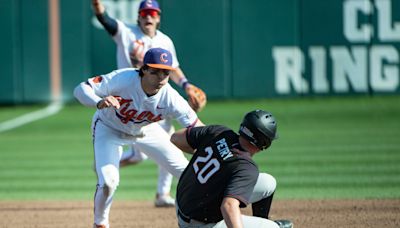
<point>97,105</point>
<point>183,82</point>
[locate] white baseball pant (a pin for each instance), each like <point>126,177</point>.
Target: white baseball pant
<point>108,145</point>
<point>164,182</point>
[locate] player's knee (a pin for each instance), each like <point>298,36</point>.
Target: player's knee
<point>107,190</point>
<point>109,177</point>
<point>268,184</point>
<point>272,183</point>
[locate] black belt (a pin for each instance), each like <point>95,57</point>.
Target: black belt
<point>183,217</point>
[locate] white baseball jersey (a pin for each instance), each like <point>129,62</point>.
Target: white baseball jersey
<point>132,44</point>
<point>137,109</point>
<point>131,124</point>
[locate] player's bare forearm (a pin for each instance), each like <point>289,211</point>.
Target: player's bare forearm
<point>199,123</point>
<point>177,75</point>
<point>98,7</point>
<point>231,212</point>
<point>180,141</point>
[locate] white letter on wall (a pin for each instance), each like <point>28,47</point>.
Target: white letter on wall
<point>289,66</point>
<point>386,31</point>
<point>384,78</point>
<point>349,68</point>
<point>320,83</point>
<point>352,31</point>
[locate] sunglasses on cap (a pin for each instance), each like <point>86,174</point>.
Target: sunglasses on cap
<point>145,13</point>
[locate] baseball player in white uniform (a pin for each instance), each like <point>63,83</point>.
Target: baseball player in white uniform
<point>130,102</point>
<point>132,42</point>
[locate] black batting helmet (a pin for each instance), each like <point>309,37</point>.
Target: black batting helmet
<point>259,127</point>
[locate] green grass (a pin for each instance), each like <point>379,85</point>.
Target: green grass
<point>347,147</point>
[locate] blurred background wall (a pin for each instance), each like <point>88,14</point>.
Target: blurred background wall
<point>230,48</point>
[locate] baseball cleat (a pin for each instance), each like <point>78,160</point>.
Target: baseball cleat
<point>284,223</point>
<point>164,201</point>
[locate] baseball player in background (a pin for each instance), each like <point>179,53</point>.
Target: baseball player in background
<point>222,177</point>
<point>132,42</point>
<point>129,104</point>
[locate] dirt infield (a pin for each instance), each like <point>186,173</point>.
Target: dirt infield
<point>303,213</point>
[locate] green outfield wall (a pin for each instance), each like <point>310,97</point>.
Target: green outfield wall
<point>230,48</point>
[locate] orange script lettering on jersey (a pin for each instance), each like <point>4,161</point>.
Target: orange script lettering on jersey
<point>125,114</point>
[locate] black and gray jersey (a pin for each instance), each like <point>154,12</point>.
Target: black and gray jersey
<point>214,172</point>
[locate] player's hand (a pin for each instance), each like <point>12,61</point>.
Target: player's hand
<point>98,7</point>
<point>196,97</point>
<point>109,101</point>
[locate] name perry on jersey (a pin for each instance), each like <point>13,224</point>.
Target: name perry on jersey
<point>223,149</point>
<point>125,114</point>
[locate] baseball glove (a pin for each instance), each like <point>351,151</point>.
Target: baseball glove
<point>196,97</point>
